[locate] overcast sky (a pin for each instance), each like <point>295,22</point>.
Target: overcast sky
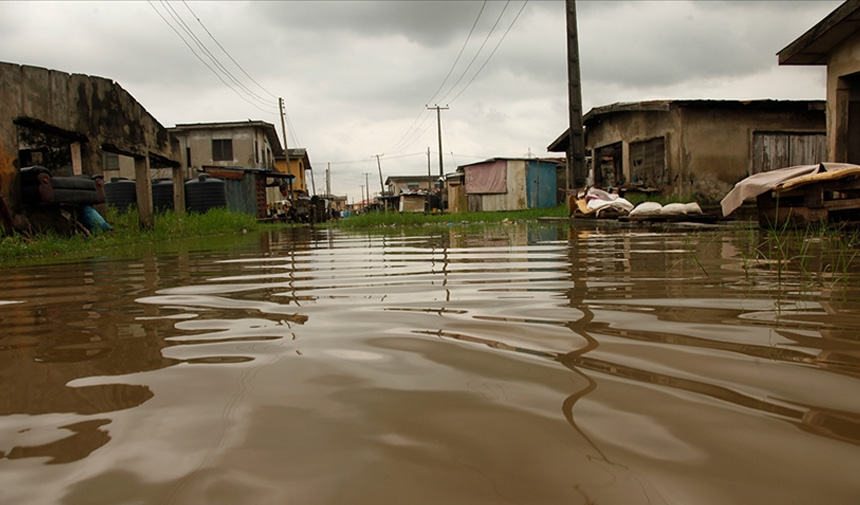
<point>356,77</point>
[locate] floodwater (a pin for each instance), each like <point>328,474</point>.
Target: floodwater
<point>531,364</point>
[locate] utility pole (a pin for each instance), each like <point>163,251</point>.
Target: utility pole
<point>429,181</point>
<point>328,181</point>
<point>362,197</point>
<point>367,185</point>
<point>576,171</point>
<point>381,184</point>
<point>439,132</point>
<point>286,151</point>
<point>284,130</point>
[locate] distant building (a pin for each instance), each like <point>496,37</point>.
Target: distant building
<point>835,42</point>
<point>397,184</point>
<point>411,193</point>
<point>499,184</point>
<point>296,170</point>
<point>697,148</point>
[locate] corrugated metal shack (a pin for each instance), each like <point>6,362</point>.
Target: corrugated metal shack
<point>246,188</point>
<point>500,184</point>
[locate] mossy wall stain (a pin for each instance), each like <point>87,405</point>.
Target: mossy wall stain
<point>94,109</point>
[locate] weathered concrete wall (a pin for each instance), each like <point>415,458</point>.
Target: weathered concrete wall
<point>843,62</point>
<point>707,149</point>
<point>717,145</point>
<point>95,110</point>
<point>636,126</point>
<point>251,147</point>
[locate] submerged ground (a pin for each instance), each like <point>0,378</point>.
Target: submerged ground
<point>510,363</point>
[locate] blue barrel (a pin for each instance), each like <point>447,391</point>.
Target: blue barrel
<point>121,193</point>
<point>162,195</point>
<point>204,193</point>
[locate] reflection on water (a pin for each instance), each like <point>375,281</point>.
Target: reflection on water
<point>509,364</point>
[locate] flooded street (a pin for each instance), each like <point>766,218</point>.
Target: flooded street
<point>532,364</point>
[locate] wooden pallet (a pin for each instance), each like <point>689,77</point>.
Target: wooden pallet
<point>826,197</point>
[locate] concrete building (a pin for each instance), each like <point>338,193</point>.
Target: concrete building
<point>697,148</point>
<point>68,123</point>
<point>250,144</point>
<point>499,184</point>
<point>835,43</point>
<point>296,170</point>
<point>397,184</point>
<point>411,193</point>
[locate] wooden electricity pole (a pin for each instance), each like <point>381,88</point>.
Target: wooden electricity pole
<point>576,170</point>
<point>441,169</point>
<point>381,184</point>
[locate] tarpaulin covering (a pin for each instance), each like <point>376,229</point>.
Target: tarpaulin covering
<point>757,184</point>
<point>487,178</point>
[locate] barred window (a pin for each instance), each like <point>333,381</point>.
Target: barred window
<point>222,149</point>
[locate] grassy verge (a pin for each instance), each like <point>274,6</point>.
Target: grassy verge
<point>126,232</point>
<point>389,219</point>
<point>818,250</point>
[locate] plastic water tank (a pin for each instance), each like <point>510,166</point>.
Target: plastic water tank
<point>204,193</point>
<point>162,195</point>
<point>121,193</point>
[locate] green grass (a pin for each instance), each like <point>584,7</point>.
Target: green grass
<point>126,235</point>
<point>817,252</point>
<point>389,219</point>
<point>126,232</point>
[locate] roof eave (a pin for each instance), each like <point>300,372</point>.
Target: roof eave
<point>814,46</point>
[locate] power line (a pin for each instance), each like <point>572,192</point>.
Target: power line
<point>225,51</point>
<point>413,132</point>
<point>409,131</point>
<point>417,132</point>
<point>349,162</point>
<point>175,15</point>
<point>478,52</point>
<point>217,74</point>
<point>493,52</point>
<point>468,37</point>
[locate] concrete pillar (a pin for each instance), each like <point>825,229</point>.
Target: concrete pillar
<point>143,178</point>
<point>838,133</point>
<point>178,191</point>
<point>625,161</point>
<point>77,164</point>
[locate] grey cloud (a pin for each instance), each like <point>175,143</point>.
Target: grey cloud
<point>653,44</point>
<point>429,23</point>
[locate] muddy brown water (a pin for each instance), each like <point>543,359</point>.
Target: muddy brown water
<point>533,364</point>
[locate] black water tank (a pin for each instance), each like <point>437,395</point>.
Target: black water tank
<point>162,195</point>
<point>204,193</point>
<point>121,193</point>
